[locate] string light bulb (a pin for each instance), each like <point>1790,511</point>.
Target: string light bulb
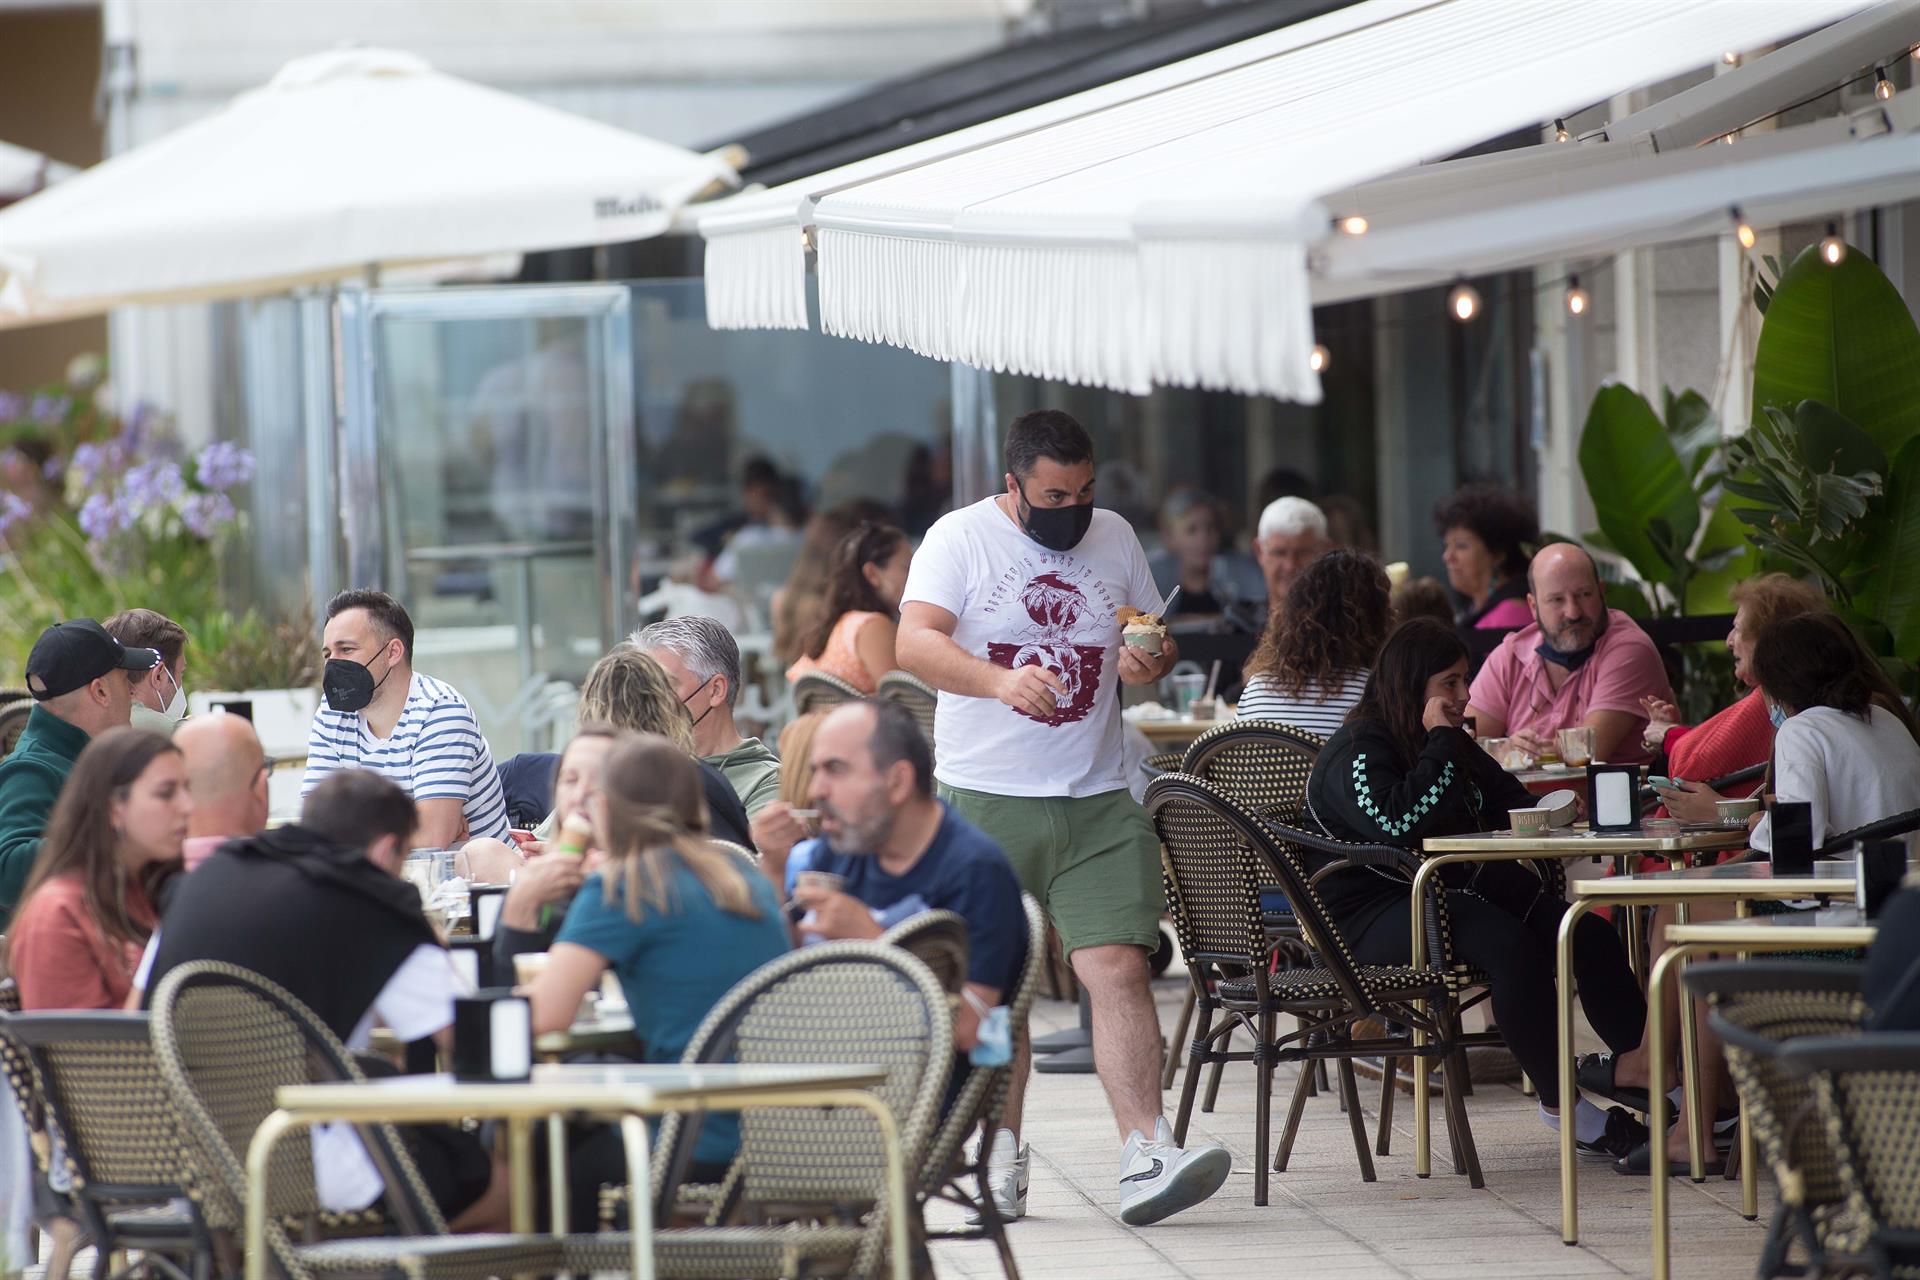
<point>1560,131</point>
<point>1731,57</point>
<point>1833,248</point>
<point>1354,225</point>
<point>1317,359</point>
<point>1464,302</point>
<point>1742,229</point>
<point>1882,87</point>
<point>1727,138</point>
<point>806,239</point>
<point>1577,298</point>
<point>1914,53</point>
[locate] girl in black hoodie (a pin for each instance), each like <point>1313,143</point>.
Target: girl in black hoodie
<point>1402,769</point>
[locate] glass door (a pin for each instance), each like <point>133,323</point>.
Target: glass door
<point>487,480</point>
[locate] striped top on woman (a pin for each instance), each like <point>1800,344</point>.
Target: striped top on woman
<point>1316,710</point>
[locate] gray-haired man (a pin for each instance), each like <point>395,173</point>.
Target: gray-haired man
<point>703,662</point>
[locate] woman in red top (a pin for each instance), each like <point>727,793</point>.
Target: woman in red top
<point>87,911</point>
<point>1736,737</point>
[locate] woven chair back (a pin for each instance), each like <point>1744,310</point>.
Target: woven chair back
<point>937,939</point>
<point>1754,1017</point>
<point>1262,764</point>
<point>833,1004</point>
<point>1868,1112</point>
<point>913,693</point>
<point>818,691</point>
<point>104,1096</point>
<point>227,1039</point>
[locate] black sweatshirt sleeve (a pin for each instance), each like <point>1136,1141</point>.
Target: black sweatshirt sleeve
<point>1380,801</point>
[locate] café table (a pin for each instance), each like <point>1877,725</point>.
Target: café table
<point>1512,846</point>
<point>1833,929</point>
<point>1178,731</point>
<point>622,1093</point>
<point>607,1033</point>
<point>1737,883</point>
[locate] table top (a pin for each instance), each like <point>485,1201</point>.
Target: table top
<point>1731,880</point>
<point>1832,927</point>
<point>564,1087</point>
<point>1572,842</point>
<point>1183,727</point>
<point>610,1030</point>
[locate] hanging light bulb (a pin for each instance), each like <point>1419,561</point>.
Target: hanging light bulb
<point>1915,53</point>
<point>806,239</point>
<point>1727,138</point>
<point>1318,358</point>
<point>1464,301</point>
<point>1731,57</point>
<point>1833,248</point>
<point>1577,299</point>
<point>1742,229</point>
<point>1354,225</point>
<point>1882,87</point>
<point>1560,130</point>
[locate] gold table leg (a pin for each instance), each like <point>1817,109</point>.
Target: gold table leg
<point>634,1137</point>
<point>520,1173</point>
<point>1569,1089</point>
<point>1690,1067</point>
<point>557,1173</point>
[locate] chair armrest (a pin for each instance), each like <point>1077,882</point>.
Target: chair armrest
<point>1869,1051</point>
<point>1740,977</point>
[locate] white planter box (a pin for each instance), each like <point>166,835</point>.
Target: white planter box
<point>281,717</point>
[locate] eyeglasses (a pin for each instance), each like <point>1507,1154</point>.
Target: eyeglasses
<point>267,765</point>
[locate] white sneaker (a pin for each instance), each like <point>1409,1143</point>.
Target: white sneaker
<point>1007,1175</point>
<point>1158,1179</point>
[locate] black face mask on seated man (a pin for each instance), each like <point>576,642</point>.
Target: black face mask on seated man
<point>1055,528</point>
<point>348,685</point>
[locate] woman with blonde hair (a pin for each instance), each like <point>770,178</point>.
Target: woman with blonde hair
<point>787,819</point>
<point>87,910</point>
<point>677,918</point>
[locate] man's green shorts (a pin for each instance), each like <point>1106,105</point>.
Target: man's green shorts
<point>1093,862</point>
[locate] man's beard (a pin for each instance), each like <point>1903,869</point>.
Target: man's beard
<point>856,835</point>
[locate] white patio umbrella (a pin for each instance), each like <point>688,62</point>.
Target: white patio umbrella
<point>23,172</point>
<point>344,161</point>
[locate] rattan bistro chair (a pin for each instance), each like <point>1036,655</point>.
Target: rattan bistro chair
<point>804,1195</point>
<point>1757,1008</point>
<point>913,693</point>
<point>226,1040</point>
<point>937,939</point>
<point>99,1094</point>
<point>1899,824</point>
<point>819,691</point>
<point>1216,855</point>
<point>1867,1088</point>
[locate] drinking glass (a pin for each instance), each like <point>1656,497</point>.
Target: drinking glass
<point>1186,687</point>
<point>1576,746</point>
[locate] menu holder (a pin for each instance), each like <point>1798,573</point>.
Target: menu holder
<point>1878,868</point>
<point>1790,828</point>
<point>492,1036</point>
<point>1613,801</point>
<point>486,901</point>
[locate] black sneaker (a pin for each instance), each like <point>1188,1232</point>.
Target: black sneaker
<point>1623,1134</point>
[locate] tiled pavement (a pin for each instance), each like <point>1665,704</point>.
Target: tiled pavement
<point>1322,1220</point>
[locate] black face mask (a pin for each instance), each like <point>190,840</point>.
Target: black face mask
<point>348,685</point>
<point>696,693</point>
<point>1055,528</point>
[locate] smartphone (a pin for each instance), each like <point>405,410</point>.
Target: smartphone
<point>1792,830</point>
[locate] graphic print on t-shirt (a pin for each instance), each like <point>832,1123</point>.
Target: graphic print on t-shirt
<point>1047,601</point>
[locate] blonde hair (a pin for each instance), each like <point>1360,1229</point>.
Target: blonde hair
<point>656,815</point>
<point>1775,597</point>
<point>629,690</point>
<point>796,754</point>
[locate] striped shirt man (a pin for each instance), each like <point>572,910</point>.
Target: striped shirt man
<point>436,752</point>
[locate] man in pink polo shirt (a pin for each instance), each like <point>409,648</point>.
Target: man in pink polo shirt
<point>227,778</point>
<point>1580,663</point>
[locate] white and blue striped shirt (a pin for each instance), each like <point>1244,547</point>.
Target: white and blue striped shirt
<point>436,752</point>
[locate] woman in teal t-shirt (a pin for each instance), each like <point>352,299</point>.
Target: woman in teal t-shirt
<point>677,918</point>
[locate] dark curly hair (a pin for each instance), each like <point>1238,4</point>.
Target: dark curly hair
<point>1334,620</point>
<point>1504,521</point>
<point>848,590</point>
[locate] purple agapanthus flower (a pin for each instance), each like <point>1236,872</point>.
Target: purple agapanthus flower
<point>13,509</point>
<point>152,485</point>
<point>53,468</point>
<point>205,513</point>
<point>223,464</point>
<point>89,461</point>
<point>98,517</point>
<point>48,410</point>
<point>12,406</point>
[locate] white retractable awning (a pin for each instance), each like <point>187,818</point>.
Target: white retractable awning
<point>1518,208</point>
<point>1164,239</point>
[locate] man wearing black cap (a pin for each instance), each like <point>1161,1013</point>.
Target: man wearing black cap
<point>82,679</point>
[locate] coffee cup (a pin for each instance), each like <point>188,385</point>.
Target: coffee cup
<point>1529,822</point>
<point>1734,813</point>
<point>528,966</point>
<point>821,881</point>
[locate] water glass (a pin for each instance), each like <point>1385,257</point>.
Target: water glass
<point>1576,746</point>
<point>1186,687</point>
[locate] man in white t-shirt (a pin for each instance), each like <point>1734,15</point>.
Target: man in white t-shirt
<point>1010,612</point>
<point>417,732</point>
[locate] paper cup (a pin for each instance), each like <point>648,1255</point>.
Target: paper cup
<point>825,881</point>
<point>1528,822</point>
<point>1734,813</point>
<point>528,966</point>
<point>1151,643</point>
